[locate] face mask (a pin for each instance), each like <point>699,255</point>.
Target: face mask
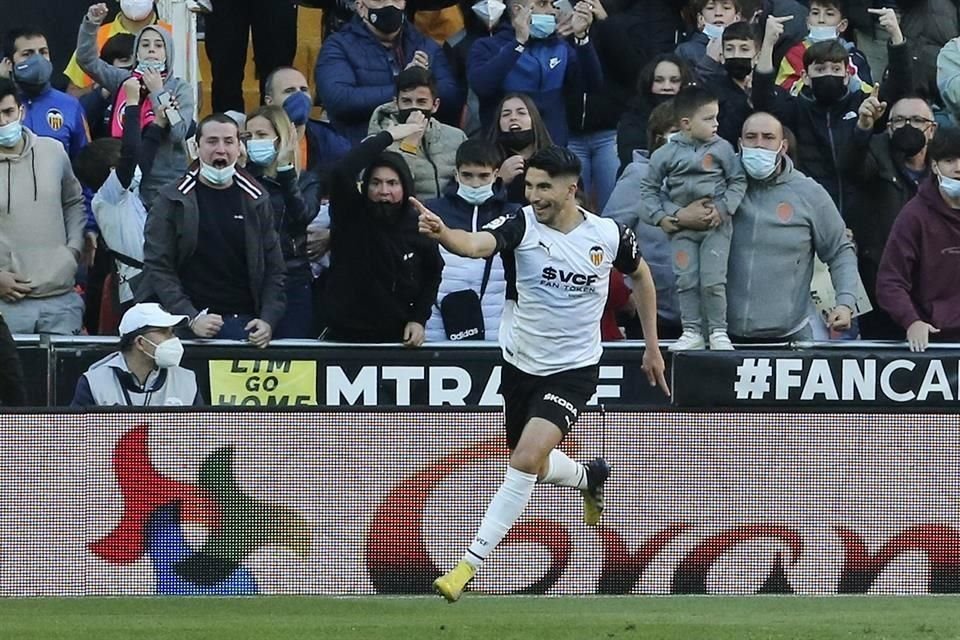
<point>738,68</point>
<point>822,34</point>
<point>262,152</point>
<point>217,177</point>
<point>712,31</point>
<point>908,140</point>
<point>759,163</point>
<point>10,134</point>
<point>136,10</point>
<point>386,20</point>
<point>298,105</point>
<point>542,25</point>
<point>475,195</point>
<point>490,11</point>
<point>949,186</point>
<point>404,114</point>
<point>828,89</point>
<point>385,211</point>
<point>168,353</point>
<point>517,140</point>
<point>151,65</point>
<point>33,74</point>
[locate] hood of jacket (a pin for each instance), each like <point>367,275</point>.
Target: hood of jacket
<point>929,193</point>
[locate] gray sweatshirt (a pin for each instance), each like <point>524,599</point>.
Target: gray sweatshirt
<point>692,170</point>
<point>171,160</point>
<point>781,223</point>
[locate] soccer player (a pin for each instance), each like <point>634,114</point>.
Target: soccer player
<point>557,258</point>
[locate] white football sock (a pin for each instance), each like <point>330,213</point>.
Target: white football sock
<point>564,472</point>
<point>508,503</point>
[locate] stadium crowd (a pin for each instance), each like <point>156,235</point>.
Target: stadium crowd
<point>791,168</point>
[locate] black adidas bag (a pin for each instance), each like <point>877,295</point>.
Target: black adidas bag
<point>462,311</point>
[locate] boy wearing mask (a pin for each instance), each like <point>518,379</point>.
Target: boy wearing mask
<point>729,76</point>
<point>712,16</point>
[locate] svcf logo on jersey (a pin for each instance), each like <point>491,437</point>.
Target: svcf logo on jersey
<point>596,255</point>
<point>55,119</point>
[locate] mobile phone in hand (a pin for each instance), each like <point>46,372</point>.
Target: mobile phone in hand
<point>563,7</point>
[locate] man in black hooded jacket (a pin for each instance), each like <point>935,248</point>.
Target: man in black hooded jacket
<point>384,275</point>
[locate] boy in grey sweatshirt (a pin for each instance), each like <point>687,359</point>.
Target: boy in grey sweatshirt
<point>697,164</point>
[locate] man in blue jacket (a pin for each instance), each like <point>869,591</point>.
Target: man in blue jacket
<point>529,53</point>
<point>357,67</point>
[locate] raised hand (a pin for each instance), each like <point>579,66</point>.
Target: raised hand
<point>870,111</point>
<point>97,12</point>
<point>774,29</point>
<point>429,223</point>
<point>131,90</point>
<point>889,22</point>
<point>521,21</point>
<point>412,127</point>
<point>420,59</point>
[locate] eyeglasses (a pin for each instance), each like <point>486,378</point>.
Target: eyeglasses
<point>915,121</point>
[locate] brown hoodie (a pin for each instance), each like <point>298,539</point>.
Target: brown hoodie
<point>41,215</point>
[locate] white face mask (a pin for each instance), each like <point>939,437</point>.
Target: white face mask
<point>217,177</point>
<point>759,163</point>
<point>489,11</point>
<point>949,186</point>
<point>168,353</point>
<point>712,31</point>
<point>822,33</point>
<point>136,10</point>
<point>475,195</point>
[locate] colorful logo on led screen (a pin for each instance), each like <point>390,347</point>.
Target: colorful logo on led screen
<point>155,508</point>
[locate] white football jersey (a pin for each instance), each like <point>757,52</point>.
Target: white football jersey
<point>557,286</point>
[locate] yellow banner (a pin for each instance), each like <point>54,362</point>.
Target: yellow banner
<point>263,383</point>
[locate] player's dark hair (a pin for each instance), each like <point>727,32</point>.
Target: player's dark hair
<point>481,153</point>
<point>222,118</point>
<point>92,165</point>
<point>8,88</point>
<point>555,161</point>
<point>690,100</point>
<point>742,31</point>
<point>416,77</point>
<point>118,46</point>
<point>10,38</point>
<point>945,144</point>
<point>826,51</point>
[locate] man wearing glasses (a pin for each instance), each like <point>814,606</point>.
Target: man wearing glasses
<point>885,169</point>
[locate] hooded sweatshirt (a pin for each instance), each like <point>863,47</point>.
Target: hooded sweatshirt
<point>42,215</point>
<point>917,279</point>
<point>171,159</point>
<point>781,224</point>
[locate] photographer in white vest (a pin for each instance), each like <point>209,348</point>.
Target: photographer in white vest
<point>146,371</point>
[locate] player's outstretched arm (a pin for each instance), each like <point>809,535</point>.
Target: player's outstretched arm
<point>645,293</point>
<point>481,244</point>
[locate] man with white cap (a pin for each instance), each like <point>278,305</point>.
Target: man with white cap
<point>146,371</point>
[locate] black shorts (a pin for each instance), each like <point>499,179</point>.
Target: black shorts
<point>557,398</point>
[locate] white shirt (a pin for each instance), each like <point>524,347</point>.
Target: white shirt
<point>557,285</point>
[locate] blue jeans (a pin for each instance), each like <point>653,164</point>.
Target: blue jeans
<point>598,155</point>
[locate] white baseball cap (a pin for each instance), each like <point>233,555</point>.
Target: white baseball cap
<point>147,314</point>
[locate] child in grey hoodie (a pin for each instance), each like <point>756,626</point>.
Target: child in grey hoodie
<point>697,164</point>
<point>153,50</point>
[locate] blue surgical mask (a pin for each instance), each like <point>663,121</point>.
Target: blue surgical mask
<point>262,152</point>
<point>151,65</point>
<point>542,25</point>
<point>217,177</point>
<point>10,134</point>
<point>950,186</point>
<point>298,105</point>
<point>712,31</point>
<point>475,195</point>
<point>822,33</point>
<point>759,163</point>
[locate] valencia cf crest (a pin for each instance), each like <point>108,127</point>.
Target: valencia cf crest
<point>596,256</point>
<point>55,119</point>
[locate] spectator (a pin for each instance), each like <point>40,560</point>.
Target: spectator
<point>625,207</point>
<point>730,76</point>
<point>161,91</point>
<point>41,227</point>
<point>785,220</point>
<point>694,165</point>
<point>273,25</point>
<point>320,147</point>
<point>383,276</point>
<point>480,19</point>
<point>431,158</point>
<point>357,67</point>
<point>49,113</point>
<point>653,27</point>
<point>916,282</point>
<point>825,22</point>
<point>928,25</point>
<point>519,133</point>
<point>98,102</point>
<point>133,16</point>
<point>146,371</point>
<point>294,196</point>
<point>824,117</point>
<point>659,81</point>
<point>712,17</point>
<point>13,391</point>
<point>530,55</point>
<point>471,295</point>
<point>211,251</point>
<point>948,77</point>
<point>886,170</point>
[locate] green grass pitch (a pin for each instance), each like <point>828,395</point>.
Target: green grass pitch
<point>487,618</point>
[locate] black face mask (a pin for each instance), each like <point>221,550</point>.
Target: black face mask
<point>386,20</point>
<point>738,68</point>
<point>828,89</point>
<point>517,140</point>
<point>404,114</point>
<point>908,140</point>
<point>385,211</point>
